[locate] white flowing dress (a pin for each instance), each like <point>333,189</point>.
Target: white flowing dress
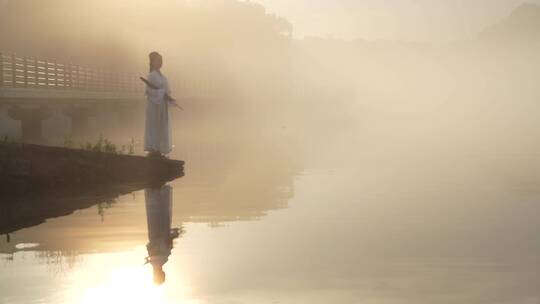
<point>157,135</point>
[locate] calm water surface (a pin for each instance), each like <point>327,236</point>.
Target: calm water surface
<point>260,224</point>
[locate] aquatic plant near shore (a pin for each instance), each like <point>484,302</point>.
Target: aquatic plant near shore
<point>104,145</point>
<point>131,146</point>
<point>68,142</point>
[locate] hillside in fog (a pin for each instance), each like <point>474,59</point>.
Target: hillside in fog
<point>523,23</point>
<point>400,75</point>
<point>113,32</point>
<point>481,92</point>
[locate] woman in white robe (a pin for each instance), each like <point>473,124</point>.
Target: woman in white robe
<point>157,135</point>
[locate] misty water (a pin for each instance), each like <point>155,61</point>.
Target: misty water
<point>383,210</point>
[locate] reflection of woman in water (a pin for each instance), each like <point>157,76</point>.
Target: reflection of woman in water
<point>160,234</point>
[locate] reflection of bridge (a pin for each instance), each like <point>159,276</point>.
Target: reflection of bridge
<point>32,90</point>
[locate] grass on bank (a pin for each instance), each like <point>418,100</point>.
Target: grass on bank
<point>101,145</point>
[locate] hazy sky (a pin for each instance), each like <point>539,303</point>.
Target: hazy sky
<point>392,19</point>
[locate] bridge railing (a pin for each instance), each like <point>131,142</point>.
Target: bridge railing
<point>27,72</point>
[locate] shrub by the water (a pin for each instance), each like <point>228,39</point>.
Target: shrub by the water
<point>103,145</point>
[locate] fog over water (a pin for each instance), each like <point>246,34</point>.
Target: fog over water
<point>317,169</point>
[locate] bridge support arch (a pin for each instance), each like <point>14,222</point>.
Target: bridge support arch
<point>31,119</point>
<point>79,120</point>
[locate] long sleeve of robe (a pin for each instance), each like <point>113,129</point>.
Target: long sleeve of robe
<point>157,129</point>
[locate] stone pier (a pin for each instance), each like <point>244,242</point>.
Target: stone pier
<point>79,120</point>
<point>31,119</point>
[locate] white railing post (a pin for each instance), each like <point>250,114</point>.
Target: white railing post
<point>13,70</point>
<point>1,70</point>
<point>25,71</point>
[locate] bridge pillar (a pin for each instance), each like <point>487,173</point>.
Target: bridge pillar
<point>31,122</point>
<point>9,128</point>
<point>79,120</point>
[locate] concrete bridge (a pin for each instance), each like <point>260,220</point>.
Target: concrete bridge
<point>33,90</point>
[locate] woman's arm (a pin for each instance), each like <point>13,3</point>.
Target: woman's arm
<point>156,96</point>
<point>168,94</point>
